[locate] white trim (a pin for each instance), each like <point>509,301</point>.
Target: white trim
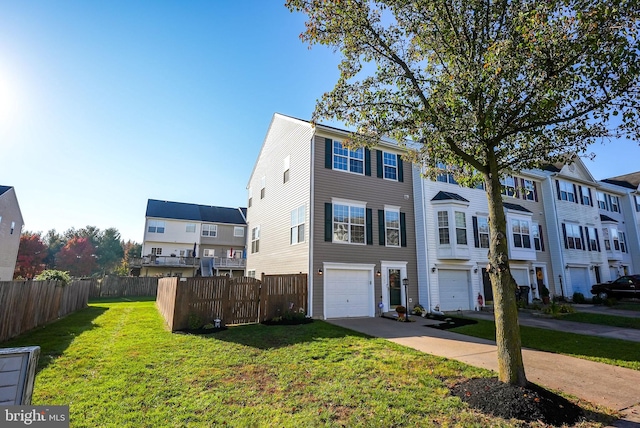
<point>384,268</point>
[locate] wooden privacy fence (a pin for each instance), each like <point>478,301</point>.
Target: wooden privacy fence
<point>232,300</point>
<point>123,286</point>
<point>25,305</point>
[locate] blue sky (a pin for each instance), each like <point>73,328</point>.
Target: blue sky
<point>104,105</point>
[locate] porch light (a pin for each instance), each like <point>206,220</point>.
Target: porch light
<point>320,272</point>
<point>378,273</point>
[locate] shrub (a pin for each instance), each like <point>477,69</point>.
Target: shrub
<point>195,321</point>
<point>418,309</point>
<point>597,300</point>
<point>578,298</point>
<point>54,275</point>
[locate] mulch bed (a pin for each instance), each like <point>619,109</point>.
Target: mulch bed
<point>202,330</point>
<point>288,322</point>
<point>449,322</point>
<point>529,404</point>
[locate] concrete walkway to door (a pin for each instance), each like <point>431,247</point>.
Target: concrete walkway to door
<point>613,387</point>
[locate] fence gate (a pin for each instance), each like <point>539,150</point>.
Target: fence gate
<point>243,301</point>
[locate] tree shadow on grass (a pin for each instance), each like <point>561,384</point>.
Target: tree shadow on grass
<point>54,338</point>
<point>263,336</point>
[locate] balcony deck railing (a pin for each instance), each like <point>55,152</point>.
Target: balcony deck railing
<point>218,262</point>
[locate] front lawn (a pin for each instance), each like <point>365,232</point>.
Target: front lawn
<point>609,351</point>
<point>116,365</point>
<point>602,319</point>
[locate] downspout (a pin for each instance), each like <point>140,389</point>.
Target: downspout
<point>423,220</point>
<point>310,275</point>
<point>562,276</point>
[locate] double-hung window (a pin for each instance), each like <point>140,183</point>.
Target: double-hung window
<point>461,228</point>
<point>615,204</point>
<point>156,226</point>
<point>255,239</point>
<point>602,200</point>
<point>238,231</point>
<point>567,191</point>
<point>586,195</point>
<point>508,186</point>
<point>483,232</point>
<point>615,238</point>
<point>537,239</point>
<point>592,239</point>
<point>156,251</point>
<point>190,228</point>
<point>348,224</point>
<point>210,230</point>
<point>445,176</point>
<point>607,240</point>
<point>574,239</point>
<point>623,242</point>
<point>296,234</point>
<point>521,233</point>
<point>348,160</point>
<point>390,163</point>
<point>443,227</point>
<point>392,227</point>
<point>529,190</point>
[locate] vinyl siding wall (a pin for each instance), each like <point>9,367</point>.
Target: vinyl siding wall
<point>9,242</point>
<point>375,193</point>
<point>285,137</point>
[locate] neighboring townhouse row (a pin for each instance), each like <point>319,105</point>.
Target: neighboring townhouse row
<point>183,239</point>
<point>364,223</point>
<point>11,223</point>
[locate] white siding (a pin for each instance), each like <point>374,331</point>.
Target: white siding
<point>9,242</point>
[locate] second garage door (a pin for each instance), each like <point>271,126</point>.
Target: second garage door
<point>580,281</point>
<point>454,290</point>
<point>347,293</point>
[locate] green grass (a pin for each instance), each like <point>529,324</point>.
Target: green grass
<point>609,351</point>
<point>115,364</point>
<point>602,319</point>
<point>628,306</point>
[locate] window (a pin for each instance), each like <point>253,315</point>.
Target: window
<point>602,200</point>
<point>250,190</point>
<point>210,230</point>
<point>483,232</point>
<point>390,162</point>
<point>392,227</point>
<point>637,204</point>
<point>521,233</point>
<point>191,228</point>
<point>567,192</point>
<point>285,175</point>
<point>156,226</point>
<point>537,238</point>
<point>586,195</point>
<point>209,252</point>
<point>607,241</point>
<point>616,238</point>
<point>297,225</point>
<point>443,227</point>
<point>592,239</point>
<point>348,160</point>
<point>461,228</point>
<point>251,273</point>
<point>615,204</point>
<point>508,186</point>
<point>444,176</point>
<point>255,239</point>
<point>13,226</point>
<point>529,190</point>
<point>238,231</point>
<point>349,224</point>
<point>623,242</point>
<point>263,184</point>
<point>156,251</point>
<point>573,236</point>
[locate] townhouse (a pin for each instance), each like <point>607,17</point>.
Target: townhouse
<point>11,223</point>
<point>183,239</point>
<point>343,216</point>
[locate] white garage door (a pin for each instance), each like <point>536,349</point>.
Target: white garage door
<point>454,290</point>
<point>521,276</point>
<point>580,282</point>
<point>347,293</point>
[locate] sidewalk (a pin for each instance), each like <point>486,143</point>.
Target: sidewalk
<point>613,387</point>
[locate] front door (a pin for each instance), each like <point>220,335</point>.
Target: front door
<point>395,290</point>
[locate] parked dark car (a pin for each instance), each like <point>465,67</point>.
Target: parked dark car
<point>627,286</point>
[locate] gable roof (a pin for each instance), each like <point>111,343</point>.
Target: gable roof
<point>630,181</point>
<point>515,207</point>
<point>445,196</point>
<point>3,189</point>
<point>204,213</point>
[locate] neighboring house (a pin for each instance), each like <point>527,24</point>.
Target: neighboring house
<point>453,239</point>
<point>10,228</point>
<point>628,189</point>
<point>193,240</point>
<point>576,229</point>
<point>344,217</point>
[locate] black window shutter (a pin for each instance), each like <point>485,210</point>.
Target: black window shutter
<point>586,232</point>
<point>369,222</point>
<point>580,195</point>
<point>590,197</point>
<point>379,163</point>
<point>403,230</point>
<point>400,170</point>
<point>328,153</point>
<point>609,201</point>
<point>582,238</point>
<point>597,240</point>
<point>541,237</point>
<point>564,233</point>
<point>381,229</point>
<point>476,237</point>
<point>558,189</point>
<point>517,189</point>
<point>328,222</point>
<point>535,192</point>
<point>575,194</point>
<point>367,162</point>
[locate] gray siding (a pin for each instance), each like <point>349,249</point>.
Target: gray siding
<point>224,237</point>
<point>9,242</point>
<point>376,193</point>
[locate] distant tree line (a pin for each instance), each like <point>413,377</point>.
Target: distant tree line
<point>81,252</point>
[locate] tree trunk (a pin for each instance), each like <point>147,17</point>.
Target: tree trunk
<point>510,365</point>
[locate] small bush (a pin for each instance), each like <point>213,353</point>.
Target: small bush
<point>579,298</point>
<point>418,309</point>
<point>596,300</point>
<point>195,321</point>
<point>54,275</point>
